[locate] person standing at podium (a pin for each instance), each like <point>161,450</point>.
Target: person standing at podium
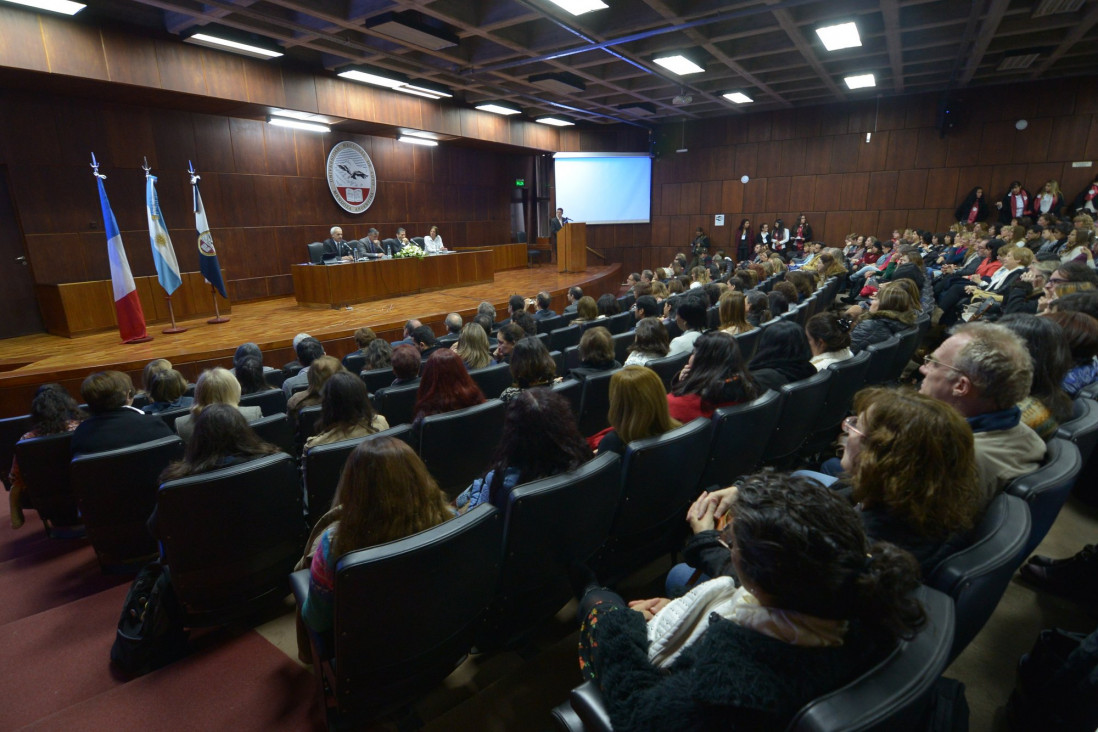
<point>555,225</point>
<point>335,246</point>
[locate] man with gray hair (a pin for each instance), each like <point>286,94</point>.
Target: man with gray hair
<point>983,370</point>
<point>453,330</point>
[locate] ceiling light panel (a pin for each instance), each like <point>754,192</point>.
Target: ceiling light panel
<point>554,121</point>
<point>579,7</point>
<point>54,6</point>
<point>861,81</point>
<point>297,124</point>
<point>838,37</point>
<point>678,64</point>
<point>498,109</point>
<point>227,44</point>
<point>738,98</point>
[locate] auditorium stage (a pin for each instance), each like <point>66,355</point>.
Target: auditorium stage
<point>28,361</point>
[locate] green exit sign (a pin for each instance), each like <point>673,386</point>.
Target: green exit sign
<point>520,182</point>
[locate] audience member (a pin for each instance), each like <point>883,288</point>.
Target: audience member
<point>525,321</point>
<point>783,356</point>
<point>308,350</point>
<point>758,307</point>
<point>453,324</point>
<point>384,494</point>
<point>346,412</point>
<point>891,311</point>
<point>586,310</point>
<point>216,386</point>
<point>608,305</point>
<point>646,306</point>
<point>221,438</point>
<point>778,303</point>
<point>531,365</point>
<point>508,336</point>
<point>984,370</point>
<point>114,423</point>
<point>574,294</point>
<point>423,338</point>
<point>544,300</point>
<point>52,412</point>
<point>540,439</point>
<point>1080,331</point>
<point>829,339</point>
<point>152,368</point>
<point>638,409</point>
<point>733,311</point>
<point>249,372</point>
<point>1047,405</point>
<point>444,387</point>
<point>472,347</point>
<point>650,341</point>
<point>168,391</point>
<point>379,355</point>
<point>322,370</point>
<point>690,317</point>
<point>715,376</point>
<point>596,352</point>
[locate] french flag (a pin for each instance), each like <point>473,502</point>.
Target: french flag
<point>131,320</point>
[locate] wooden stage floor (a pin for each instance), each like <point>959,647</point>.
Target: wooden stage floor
<point>28,361</point>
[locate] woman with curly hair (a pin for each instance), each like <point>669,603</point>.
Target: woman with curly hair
<point>812,605</point>
<point>715,376</point>
<point>444,387</point>
<point>52,412</point>
<point>385,493</point>
<point>540,439</point>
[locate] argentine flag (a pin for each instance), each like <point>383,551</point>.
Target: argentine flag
<point>131,320</point>
<point>167,267</point>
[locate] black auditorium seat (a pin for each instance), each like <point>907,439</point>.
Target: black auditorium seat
<point>492,380</point>
<point>44,465</point>
<point>740,436</point>
<point>458,446</point>
<point>271,401</point>
<point>1046,489</point>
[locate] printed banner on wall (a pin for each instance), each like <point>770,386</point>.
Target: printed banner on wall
<point>351,177</point>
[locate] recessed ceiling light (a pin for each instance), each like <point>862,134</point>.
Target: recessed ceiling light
<point>860,82</point>
<point>368,78</point>
<point>297,124</point>
<point>836,37</point>
<point>54,6</point>
<point>738,98</point>
<point>498,109</point>
<point>678,64</point>
<point>424,91</point>
<point>227,44</point>
<point>555,121</point>
<point>417,141</point>
<point>418,133</point>
<point>579,7</point>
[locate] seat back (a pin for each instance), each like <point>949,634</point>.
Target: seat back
<point>548,325</point>
<point>354,361</point>
<point>558,361</point>
<point>622,341</point>
<point>660,477</point>
<point>377,378</point>
<point>668,366</point>
<point>748,342</point>
<point>322,467</point>
<point>44,465</point>
<point>271,401</point>
<point>116,493</point>
<point>892,695</point>
<point>572,390</point>
<point>418,241</point>
<point>391,245</point>
<point>274,378</point>
<point>458,446</point>
<point>316,252</point>
<point>230,537</point>
<point>1082,428</point>
<point>11,429</point>
<point>802,312</point>
<point>1046,489</point>
<point>881,360</point>
<point>307,420</point>
<point>847,378</point>
<point>621,322</point>
<point>977,576</point>
<point>276,430</point>
<point>171,415</point>
<point>492,380</point>
<point>562,338</point>
<point>626,301</point>
<point>712,317</point>
<point>909,342</point>
<point>595,403</point>
<point>802,403</point>
<point>739,437</point>
<point>397,402</point>
<point>549,525</point>
<point>571,358</point>
<point>384,652</point>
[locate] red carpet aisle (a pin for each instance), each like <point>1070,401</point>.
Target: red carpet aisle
<point>57,621</point>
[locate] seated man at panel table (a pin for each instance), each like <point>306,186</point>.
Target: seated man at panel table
<point>371,244</point>
<point>336,247</point>
<point>113,423</point>
<point>983,370</point>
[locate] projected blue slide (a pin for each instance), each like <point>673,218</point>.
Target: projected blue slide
<point>604,188</point>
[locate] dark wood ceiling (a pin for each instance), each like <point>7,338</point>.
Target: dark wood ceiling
<point>767,49</point>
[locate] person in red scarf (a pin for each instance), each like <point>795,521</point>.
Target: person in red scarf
<point>973,208</point>
<point>1015,204</point>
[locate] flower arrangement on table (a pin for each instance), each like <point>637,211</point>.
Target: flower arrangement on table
<point>410,250</point>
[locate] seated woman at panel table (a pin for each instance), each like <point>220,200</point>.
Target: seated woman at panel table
<point>52,412</point>
<point>817,605</point>
<point>638,409</point>
<point>346,412</point>
<point>540,439</point>
<point>432,243</point>
<point>715,376</point>
<point>385,493</point>
<point>215,386</point>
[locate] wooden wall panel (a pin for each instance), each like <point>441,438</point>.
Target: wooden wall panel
<point>74,50</point>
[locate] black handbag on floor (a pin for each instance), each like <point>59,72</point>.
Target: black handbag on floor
<point>150,630</point>
<point>1057,685</point>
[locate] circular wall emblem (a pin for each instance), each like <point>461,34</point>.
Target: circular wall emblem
<point>351,177</point>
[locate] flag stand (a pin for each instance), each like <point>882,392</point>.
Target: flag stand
<point>217,318</point>
<point>171,311</point>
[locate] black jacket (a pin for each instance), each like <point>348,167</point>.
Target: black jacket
<point>961,214</point>
<point>877,328</point>
<point>117,428</point>
<point>776,374</point>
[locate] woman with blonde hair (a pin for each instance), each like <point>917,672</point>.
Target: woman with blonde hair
<point>320,371</point>
<point>215,386</point>
<point>472,346</point>
<point>659,290</point>
<point>699,277</point>
<point>891,310</point>
<point>733,311</point>
<point>1049,200</point>
<point>638,409</point>
<point>384,494</point>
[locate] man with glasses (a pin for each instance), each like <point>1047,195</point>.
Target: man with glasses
<point>1066,273</point>
<point>983,370</point>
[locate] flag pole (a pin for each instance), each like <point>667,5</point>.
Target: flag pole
<point>218,317</point>
<point>207,259</point>
<point>167,296</point>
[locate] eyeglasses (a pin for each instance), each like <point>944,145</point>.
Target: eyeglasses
<point>849,428</point>
<point>1054,280</point>
<point>928,359</point>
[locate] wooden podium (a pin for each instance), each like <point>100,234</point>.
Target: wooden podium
<point>572,248</point>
